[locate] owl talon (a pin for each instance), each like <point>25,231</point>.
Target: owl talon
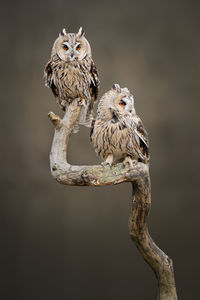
<point>105,164</point>
<point>108,161</point>
<point>81,102</point>
<point>129,162</point>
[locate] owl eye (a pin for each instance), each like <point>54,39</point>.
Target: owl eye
<point>78,47</point>
<point>122,102</point>
<point>65,47</point>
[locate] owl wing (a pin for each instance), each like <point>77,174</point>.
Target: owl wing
<point>94,86</point>
<point>141,138</point>
<point>48,76</point>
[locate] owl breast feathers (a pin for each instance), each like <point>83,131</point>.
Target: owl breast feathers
<point>118,134</point>
<point>71,73</point>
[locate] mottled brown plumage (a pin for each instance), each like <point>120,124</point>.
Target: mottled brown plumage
<point>118,134</point>
<point>71,73</point>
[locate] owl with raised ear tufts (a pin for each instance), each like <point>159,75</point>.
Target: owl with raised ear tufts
<point>118,134</point>
<point>71,73</point>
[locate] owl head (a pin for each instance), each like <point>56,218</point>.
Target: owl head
<point>118,100</point>
<point>71,46</point>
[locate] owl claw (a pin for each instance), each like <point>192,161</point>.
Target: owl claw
<point>105,164</point>
<point>108,161</point>
<point>129,162</point>
<point>81,102</point>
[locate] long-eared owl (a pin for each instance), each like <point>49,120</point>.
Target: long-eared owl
<point>71,73</point>
<point>118,134</point>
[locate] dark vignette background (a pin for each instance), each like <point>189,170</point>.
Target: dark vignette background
<point>59,242</point>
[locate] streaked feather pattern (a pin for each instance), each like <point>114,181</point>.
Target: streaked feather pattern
<point>72,74</point>
<point>117,131</point>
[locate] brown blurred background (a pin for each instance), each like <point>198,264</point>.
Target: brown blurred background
<point>60,242</point>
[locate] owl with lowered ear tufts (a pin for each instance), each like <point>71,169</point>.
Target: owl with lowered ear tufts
<point>118,134</point>
<point>71,74</point>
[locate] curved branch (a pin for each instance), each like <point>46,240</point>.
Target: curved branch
<point>67,174</point>
<point>97,175</point>
<point>160,263</point>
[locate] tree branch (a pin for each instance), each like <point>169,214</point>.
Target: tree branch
<point>97,175</point>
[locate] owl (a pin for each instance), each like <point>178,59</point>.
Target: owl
<point>71,73</point>
<point>118,134</point>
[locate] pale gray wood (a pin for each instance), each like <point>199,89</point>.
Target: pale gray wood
<point>68,174</point>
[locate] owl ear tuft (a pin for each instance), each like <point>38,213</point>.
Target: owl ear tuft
<point>63,32</point>
<point>116,87</point>
<point>80,32</point>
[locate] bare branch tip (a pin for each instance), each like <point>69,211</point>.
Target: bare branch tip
<point>54,118</point>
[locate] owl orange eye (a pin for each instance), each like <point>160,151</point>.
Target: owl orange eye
<point>78,47</point>
<point>65,47</point>
<point>122,103</point>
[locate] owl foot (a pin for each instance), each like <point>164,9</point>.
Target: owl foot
<point>108,161</point>
<point>81,102</point>
<point>129,162</point>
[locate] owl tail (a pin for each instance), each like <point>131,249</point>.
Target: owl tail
<point>85,117</point>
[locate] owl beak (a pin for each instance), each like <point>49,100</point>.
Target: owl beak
<point>72,57</point>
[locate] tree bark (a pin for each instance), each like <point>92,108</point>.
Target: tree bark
<point>97,175</point>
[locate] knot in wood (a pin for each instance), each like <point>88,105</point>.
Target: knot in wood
<point>88,177</point>
<point>54,167</point>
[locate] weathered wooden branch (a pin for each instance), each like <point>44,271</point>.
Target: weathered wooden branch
<point>97,175</point>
